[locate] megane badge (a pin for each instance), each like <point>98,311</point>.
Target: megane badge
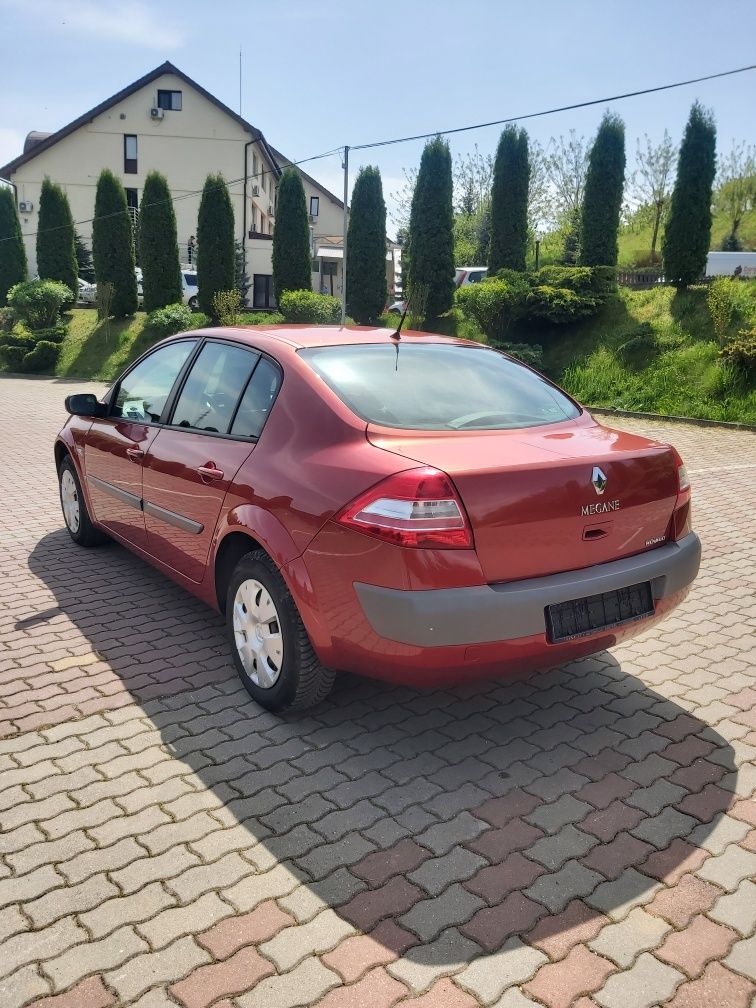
<point>598,479</point>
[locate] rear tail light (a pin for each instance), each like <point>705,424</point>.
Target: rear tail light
<point>681,518</point>
<point>418,508</point>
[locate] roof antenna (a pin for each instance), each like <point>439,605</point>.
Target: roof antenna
<point>397,334</point>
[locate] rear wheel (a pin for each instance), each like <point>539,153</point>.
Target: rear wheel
<point>75,513</point>
<point>272,652</point>
<point>193,302</point>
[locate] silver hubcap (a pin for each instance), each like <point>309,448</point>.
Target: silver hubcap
<point>69,497</point>
<point>257,633</point>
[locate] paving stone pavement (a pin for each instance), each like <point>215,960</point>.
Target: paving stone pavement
<point>584,836</point>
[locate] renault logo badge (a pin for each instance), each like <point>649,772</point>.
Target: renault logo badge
<point>598,479</point>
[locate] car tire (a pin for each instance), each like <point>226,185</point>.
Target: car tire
<point>278,668</point>
<point>75,512</point>
<point>193,303</point>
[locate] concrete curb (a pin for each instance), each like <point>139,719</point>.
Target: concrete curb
<point>694,421</point>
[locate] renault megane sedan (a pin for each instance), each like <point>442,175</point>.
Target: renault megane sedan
<point>415,508</point>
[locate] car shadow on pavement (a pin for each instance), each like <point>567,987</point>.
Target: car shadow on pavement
<point>445,822</point>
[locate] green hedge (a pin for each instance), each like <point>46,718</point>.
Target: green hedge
<point>305,306</point>
<point>174,318</point>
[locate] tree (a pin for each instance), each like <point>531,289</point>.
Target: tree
<point>566,165</point>
<point>472,175</point>
<point>56,248</point>
<point>540,210</point>
<point>602,199</point>
<point>736,189</point>
<point>158,245</point>
<point>84,262</point>
<point>113,246</point>
<point>687,234</point>
<point>216,268</point>
<point>366,248</point>
<point>652,181</point>
<point>431,230</point>
<point>509,202</point>
<point>292,267</point>
<point>241,277</point>
<point>12,252</point>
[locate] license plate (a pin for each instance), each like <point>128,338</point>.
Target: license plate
<point>582,617</point>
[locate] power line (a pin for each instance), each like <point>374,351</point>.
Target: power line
<point>561,108</point>
<point>425,136</point>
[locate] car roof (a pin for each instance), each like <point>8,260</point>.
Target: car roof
<point>301,336</point>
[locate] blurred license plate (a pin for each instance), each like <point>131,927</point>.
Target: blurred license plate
<point>585,616</point>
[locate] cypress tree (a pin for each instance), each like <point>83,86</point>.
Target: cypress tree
<point>687,234</point>
<point>431,230</point>
<point>56,248</point>
<point>292,268</point>
<point>158,245</point>
<point>84,263</point>
<point>12,252</point>
<point>112,244</point>
<point>216,269</point>
<point>509,202</point>
<point>602,198</point>
<point>366,248</point>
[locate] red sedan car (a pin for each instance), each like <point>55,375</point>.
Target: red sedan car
<point>419,509</point>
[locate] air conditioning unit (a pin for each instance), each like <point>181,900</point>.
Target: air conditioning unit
<point>255,190</point>
<point>156,113</point>
<point>313,216</point>
<point>25,207</point>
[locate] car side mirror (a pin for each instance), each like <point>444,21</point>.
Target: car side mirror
<point>84,404</point>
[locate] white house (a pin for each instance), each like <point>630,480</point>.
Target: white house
<point>167,122</point>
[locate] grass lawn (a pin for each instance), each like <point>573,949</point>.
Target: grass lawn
<point>653,351</point>
<point>100,350</point>
<point>635,242</point>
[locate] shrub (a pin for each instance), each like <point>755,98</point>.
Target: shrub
<point>226,305</point>
<point>37,302</point>
<point>721,303</point>
<point>26,351</point>
<point>13,258</point>
<point>158,246</point>
<point>291,236</point>
<point>530,354</point>
<point>308,307</point>
<point>56,246</point>
<point>198,320</point>
<point>113,245</point>
<point>261,318</point>
<point>574,278</point>
<point>640,344</point>
<point>366,248</point>
<point>174,318</point>
<point>495,304</point>
<point>7,320</point>
<point>216,267</point>
<point>558,304</point>
<point>741,352</point>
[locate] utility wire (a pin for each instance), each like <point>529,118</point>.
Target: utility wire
<point>447,132</point>
<point>552,111</point>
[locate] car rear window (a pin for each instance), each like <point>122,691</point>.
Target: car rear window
<point>437,386</point>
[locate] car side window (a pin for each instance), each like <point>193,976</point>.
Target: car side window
<point>143,392</point>
<point>257,401</point>
<point>211,392</point>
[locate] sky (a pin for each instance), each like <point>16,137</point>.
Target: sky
<point>319,75</point>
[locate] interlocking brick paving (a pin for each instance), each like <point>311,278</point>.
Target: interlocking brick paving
<point>582,836</point>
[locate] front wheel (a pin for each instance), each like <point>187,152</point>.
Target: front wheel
<point>272,652</point>
<point>75,514</point>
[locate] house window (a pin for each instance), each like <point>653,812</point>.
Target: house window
<point>262,291</point>
<point>330,267</point>
<point>255,166</point>
<point>130,154</point>
<point>314,206</point>
<point>169,100</point>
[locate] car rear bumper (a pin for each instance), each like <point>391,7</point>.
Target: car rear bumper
<point>450,617</point>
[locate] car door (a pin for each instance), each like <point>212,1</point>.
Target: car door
<point>117,443</point>
<point>190,465</point>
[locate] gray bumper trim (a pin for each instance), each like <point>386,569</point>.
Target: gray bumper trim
<point>449,616</point>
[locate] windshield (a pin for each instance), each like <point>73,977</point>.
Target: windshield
<point>437,386</point>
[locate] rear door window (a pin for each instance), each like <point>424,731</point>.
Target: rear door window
<point>210,395</point>
<point>437,386</point>
<point>257,401</point>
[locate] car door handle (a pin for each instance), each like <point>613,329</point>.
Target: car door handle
<point>209,472</point>
<point>135,454</point>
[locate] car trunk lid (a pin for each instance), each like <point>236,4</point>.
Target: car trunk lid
<point>550,499</point>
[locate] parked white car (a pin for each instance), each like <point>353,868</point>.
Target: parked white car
<point>191,289</point>
<point>465,275</point>
<point>87,292</point>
